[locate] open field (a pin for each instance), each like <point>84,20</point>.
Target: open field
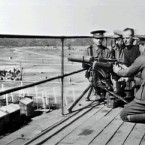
<point>39,63</point>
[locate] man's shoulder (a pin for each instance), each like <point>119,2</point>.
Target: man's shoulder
<point>106,49</point>
<point>135,47</point>
<point>89,47</point>
<point>141,58</point>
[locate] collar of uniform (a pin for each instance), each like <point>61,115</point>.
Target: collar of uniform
<point>129,47</point>
<point>117,48</point>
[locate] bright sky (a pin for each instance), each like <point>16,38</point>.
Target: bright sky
<point>70,17</point>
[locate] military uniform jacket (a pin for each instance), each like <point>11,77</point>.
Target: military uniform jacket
<point>118,53</point>
<point>99,52</point>
<point>137,66</point>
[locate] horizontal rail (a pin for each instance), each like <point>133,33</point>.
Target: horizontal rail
<point>38,83</point>
<point>46,36</point>
<point>40,36</point>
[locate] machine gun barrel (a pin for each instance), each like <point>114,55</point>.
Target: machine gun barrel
<point>89,59</point>
<point>81,59</point>
<point>104,62</point>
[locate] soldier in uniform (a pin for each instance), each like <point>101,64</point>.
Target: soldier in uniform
<point>99,51</point>
<point>118,46</point>
<point>118,53</point>
<point>135,110</point>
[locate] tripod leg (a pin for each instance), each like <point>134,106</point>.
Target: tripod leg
<point>79,98</point>
<point>88,96</point>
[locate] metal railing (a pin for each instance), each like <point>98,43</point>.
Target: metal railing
<point>62,38</point>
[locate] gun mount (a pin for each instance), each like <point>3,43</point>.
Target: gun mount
<point>100,71</point>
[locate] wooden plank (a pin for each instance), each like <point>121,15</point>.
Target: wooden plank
<point>57,129</point>
<point>121,134</point>
<point>136,135</point>
<point>75,134</point>
<point>108,132</point>
<point>143,140</point>
<point>35,127</point>
<point>88,134</point>
<point>58,137</point>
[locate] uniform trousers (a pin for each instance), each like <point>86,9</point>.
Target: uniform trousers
<point>136,112</point>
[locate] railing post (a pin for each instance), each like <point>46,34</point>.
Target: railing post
<point>62,74</point>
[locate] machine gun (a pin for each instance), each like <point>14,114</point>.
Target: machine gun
<point>88,60</point>
<point>103,68</point>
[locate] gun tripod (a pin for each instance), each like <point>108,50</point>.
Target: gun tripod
<point>89,89</point>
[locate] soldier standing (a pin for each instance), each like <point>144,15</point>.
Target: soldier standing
<point>99,51</point>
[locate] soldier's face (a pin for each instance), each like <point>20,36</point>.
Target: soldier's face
<point>127,38</point>
<point>142,48</point>
<point>98,41</point>
<point>119,41</point>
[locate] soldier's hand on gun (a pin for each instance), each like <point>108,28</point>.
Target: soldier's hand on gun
<point>123,79</point>
<point>116,68</point>
<point>123,66</point>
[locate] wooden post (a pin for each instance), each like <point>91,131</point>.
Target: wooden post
<point>46,99</point>
<point>74,97</point>
<point>49,101</point>
<point>66,103</point>
<point>43,101</point>
<point>3,90</point>
<point>12,97</point>
<point>69,81</point>
<point>36,93</point>
<point>62,78</point>
<point>54,95</point>
<point>22,91</point>
<point>7,100</point>
<point>5,96</point>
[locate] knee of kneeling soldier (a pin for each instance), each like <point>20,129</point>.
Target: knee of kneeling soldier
<point>124,116</point>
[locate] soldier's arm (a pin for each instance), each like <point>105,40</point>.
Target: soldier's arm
<point>137,66</point>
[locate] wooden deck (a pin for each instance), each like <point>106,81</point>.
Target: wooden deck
<point>95,125</point>
<point>100,126</point>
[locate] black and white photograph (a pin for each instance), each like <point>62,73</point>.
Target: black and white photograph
<point>72,72</point>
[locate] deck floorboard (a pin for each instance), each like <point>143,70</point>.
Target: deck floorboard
<point>105,128</point>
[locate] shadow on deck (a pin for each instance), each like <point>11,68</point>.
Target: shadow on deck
<point>99,126</point>
<point>93,125</point>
